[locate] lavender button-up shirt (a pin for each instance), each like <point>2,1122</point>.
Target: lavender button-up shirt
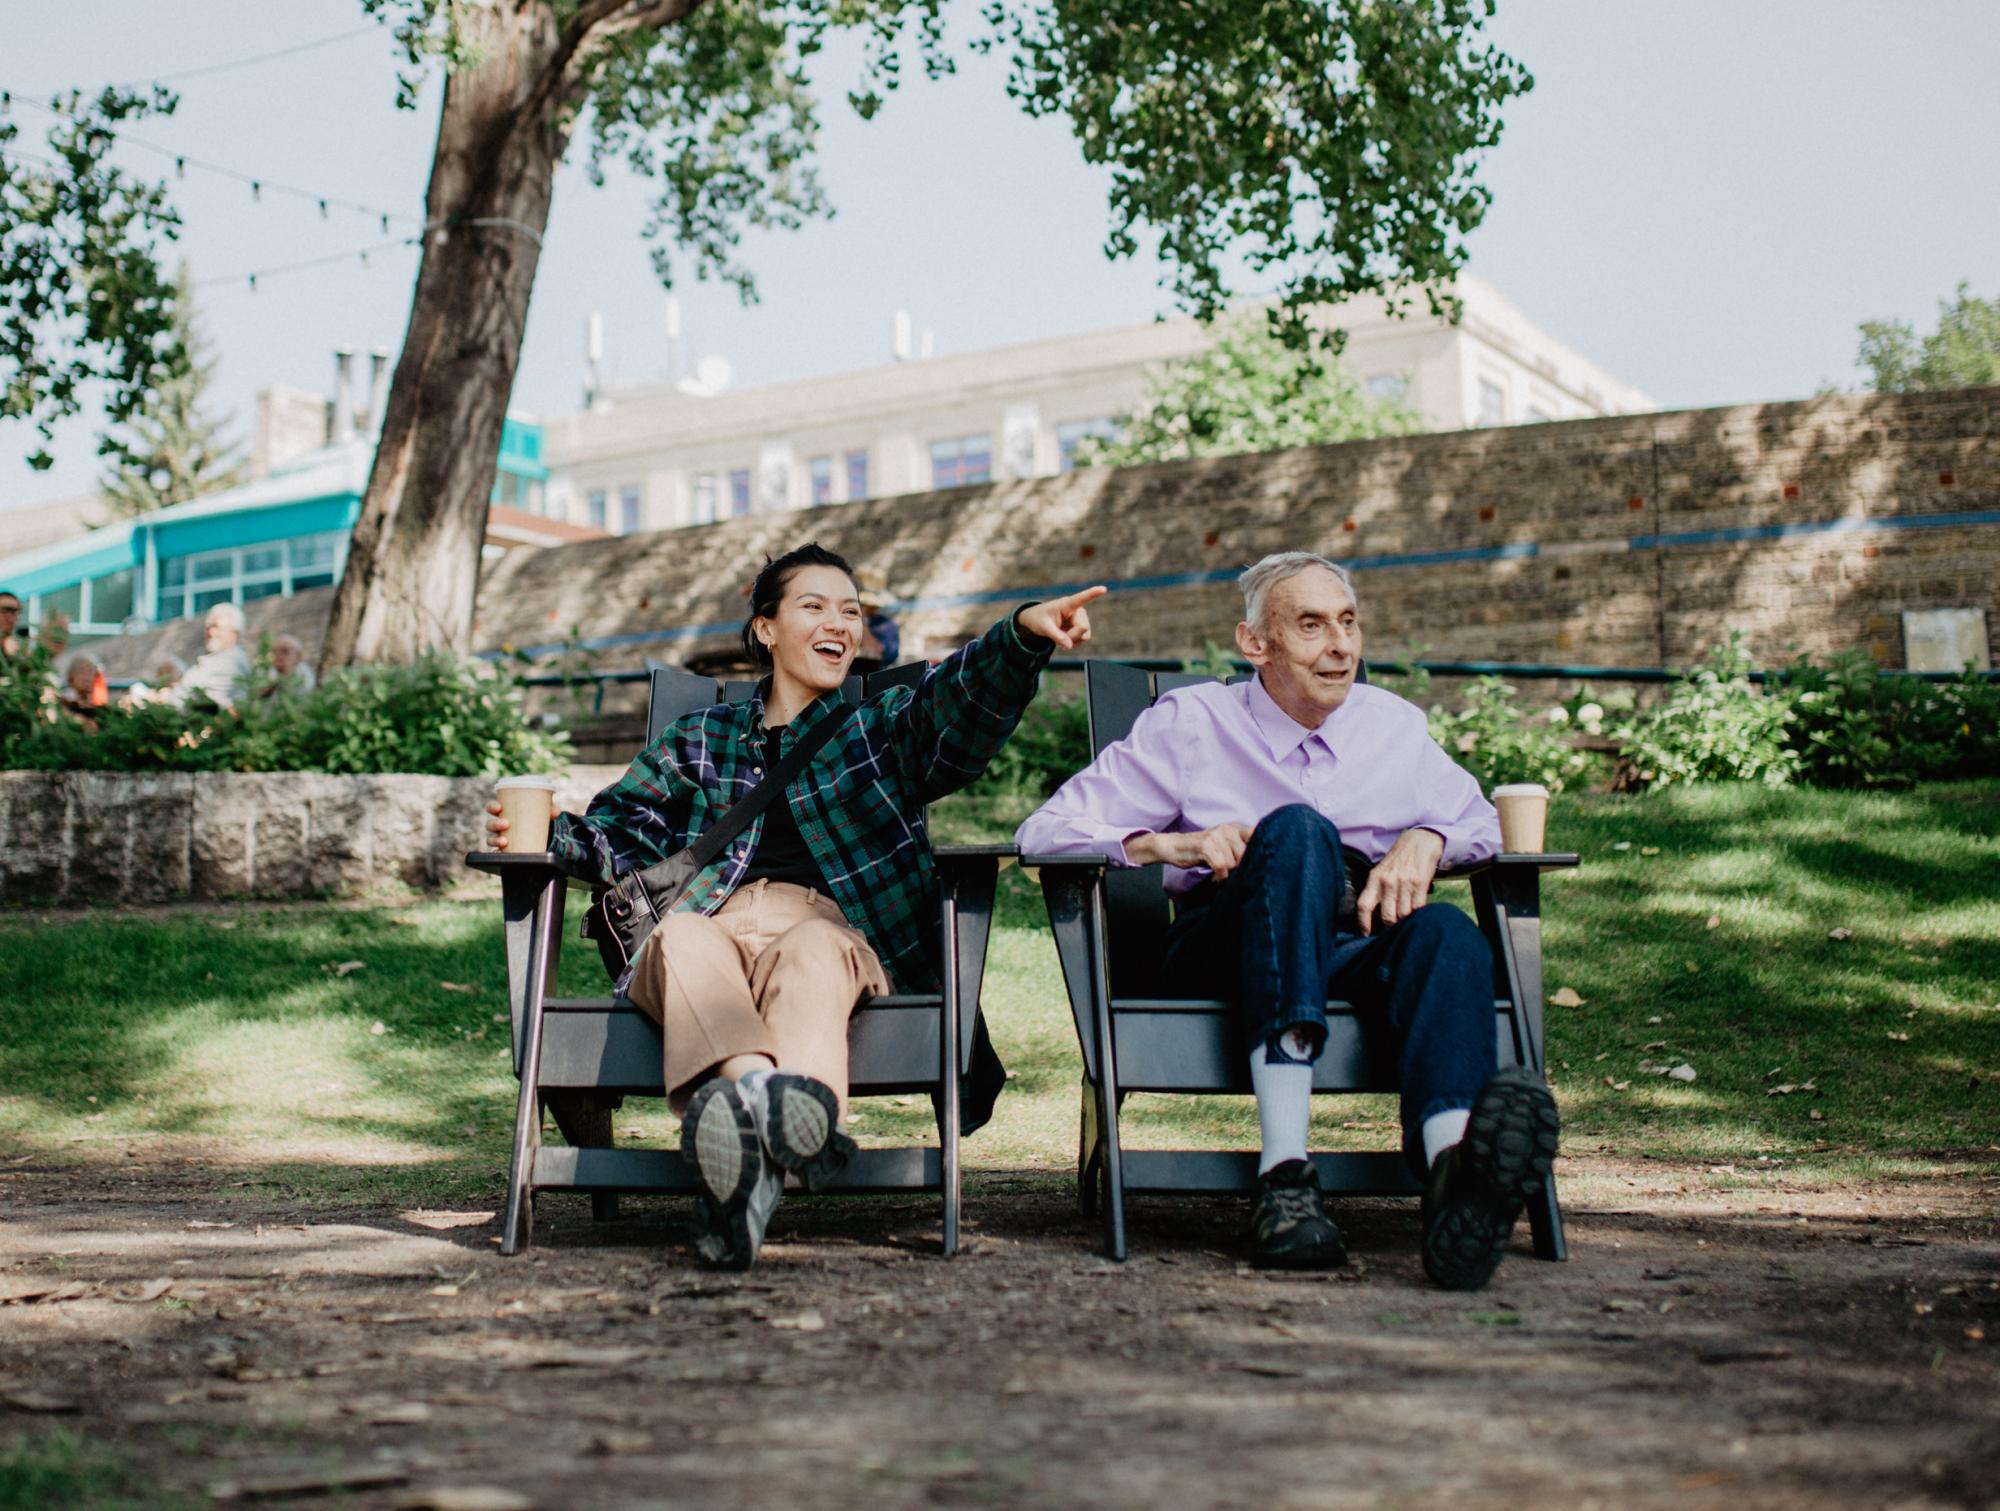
<point>1218,754</point>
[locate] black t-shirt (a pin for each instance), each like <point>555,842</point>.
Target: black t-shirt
<point>781,853</point>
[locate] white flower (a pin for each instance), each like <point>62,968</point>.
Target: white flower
<point>1559,715</point>
<point>1590,713</point>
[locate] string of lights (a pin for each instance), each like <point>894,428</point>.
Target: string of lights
<point>257,184</point>
<point>253,279</point>
<point>205,69</point>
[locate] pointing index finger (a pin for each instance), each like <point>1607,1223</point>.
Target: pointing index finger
<point>1077,600</point>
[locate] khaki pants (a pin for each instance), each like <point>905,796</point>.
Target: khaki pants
<point>775,972</point>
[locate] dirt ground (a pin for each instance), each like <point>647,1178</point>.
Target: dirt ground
<point>1765,1348</point>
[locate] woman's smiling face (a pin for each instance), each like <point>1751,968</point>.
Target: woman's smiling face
<point>814,634</point>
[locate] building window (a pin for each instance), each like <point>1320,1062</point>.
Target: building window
<point>704,498</point>
<point>600,510</point>
<point>314,561</point>
<point>739,492</point>
<point>1074,433</point>
<point>819,473</point>
<point>110,599</point>
<point>195,584</point>
<point>628,509</point>
<point>1492,403</point>
<point>857,475</point>
<point>1390,388</point>
<point>961,461</point>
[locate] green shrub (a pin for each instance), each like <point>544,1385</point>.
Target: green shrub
<point>1715,726</point>
<point>1050,746</point>
<point>1497,742</point>
<point>441,716</point>
<point>1855,726</point>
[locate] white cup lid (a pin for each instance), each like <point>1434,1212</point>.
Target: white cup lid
<point>546,783</point>
<point>1521,789</point>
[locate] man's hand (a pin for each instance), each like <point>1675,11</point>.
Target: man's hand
<point>1401,880</point>
<point>1062,620</point>
<point>1220,849</point>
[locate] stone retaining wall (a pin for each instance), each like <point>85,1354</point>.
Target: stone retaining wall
<point>105,837</point>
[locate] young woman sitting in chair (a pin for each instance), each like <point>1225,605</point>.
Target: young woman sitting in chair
<point>825,898</point>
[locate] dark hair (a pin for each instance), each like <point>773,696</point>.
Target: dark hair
<point>768,591</point>
<point>10,593</point>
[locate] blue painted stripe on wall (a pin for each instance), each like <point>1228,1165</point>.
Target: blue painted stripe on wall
<point>1514,551</point>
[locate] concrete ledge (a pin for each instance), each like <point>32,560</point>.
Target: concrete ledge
<point>104,837</point>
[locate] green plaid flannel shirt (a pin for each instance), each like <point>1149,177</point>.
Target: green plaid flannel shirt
<point>859,804</point>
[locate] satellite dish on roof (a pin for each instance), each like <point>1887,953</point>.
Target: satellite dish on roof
<point>712,374</point>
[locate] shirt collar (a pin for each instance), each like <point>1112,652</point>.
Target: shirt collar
<point>1281,732</point>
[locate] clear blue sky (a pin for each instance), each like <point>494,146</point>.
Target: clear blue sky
<point>1705,197</point>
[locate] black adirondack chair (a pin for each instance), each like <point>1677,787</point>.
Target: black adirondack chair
<point>580,1057</point>
<point>1137,1034</point>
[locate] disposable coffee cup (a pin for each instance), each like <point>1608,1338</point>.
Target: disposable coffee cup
<point>1524,816</point>
<point>526,803</point>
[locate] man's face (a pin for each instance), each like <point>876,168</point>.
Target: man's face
<point>217,634</point>
<point>284,658</point>
<point>10,613</point>
<point>1309,646</point>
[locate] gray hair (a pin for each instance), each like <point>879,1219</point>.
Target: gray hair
<point>1258,580</point>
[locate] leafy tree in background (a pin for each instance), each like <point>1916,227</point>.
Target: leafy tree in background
<point>83,303</point>
<point>1963,352</point>
<point>1251,391</point>
<point>1327,145</point>
<point>171,450</point>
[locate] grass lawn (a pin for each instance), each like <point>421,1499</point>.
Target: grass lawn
<point>1843,945</point>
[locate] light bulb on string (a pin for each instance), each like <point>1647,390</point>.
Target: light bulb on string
<point>253,283</point>
<point>322,209</point>
<point>256,191</point>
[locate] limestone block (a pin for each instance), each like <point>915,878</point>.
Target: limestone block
<point>34,850</point>
<point>129,836</point>
<point>340,847</point>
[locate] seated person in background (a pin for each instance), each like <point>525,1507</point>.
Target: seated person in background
<point>827,898</point>
<point>223,667</point>
<point>83,691</point>
<point>15,637</point>
<point>881,640</point>
<point>1301,818</point>
<point>288,668</point>
<point>167,672</point>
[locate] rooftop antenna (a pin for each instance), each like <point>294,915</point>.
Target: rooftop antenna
<point>676,348</point>
<point>593,359</point>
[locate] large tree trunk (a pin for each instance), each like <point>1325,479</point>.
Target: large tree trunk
<point>413,566</point>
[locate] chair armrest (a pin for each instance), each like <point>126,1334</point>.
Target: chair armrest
<point>1060,862</point>
<point>955,852</point>
<point>1513,863</point>
<point>505,863</point>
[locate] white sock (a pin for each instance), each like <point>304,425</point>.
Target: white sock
<point>1284,1102</point>
<point>1443,1129</point>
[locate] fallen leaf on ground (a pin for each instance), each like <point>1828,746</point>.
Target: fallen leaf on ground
<point>457,986</point>
<point>1681,1073</point>
<point>400,1414</point>
<point>465,1498</point>
<point>40,1402</point>
<point>203,1223</point>
<point>1623,844</point>
<point>440,1222</point>
<point>151,1290</point>
<point>378,1027</point>
<point>604,1444</point>
<point>1566,997</point>
<point>1715,920</point>
<point>807,1321</point>
<point>1840,933</point>
<point>1900,1038</point>
<point>346,967</point>
<point>444,1290</point>
<point>1649,849</point>
<point>1817,1116</point>
<point>578,1358</point>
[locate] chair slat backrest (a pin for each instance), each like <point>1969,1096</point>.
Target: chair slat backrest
<point>671,692</point>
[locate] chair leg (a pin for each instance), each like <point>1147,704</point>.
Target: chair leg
<point>517,1229</point>
<point>953,1067</point>
<point>1545,1220</point>
<point>1089,1152</point>
<point>585,1121</point>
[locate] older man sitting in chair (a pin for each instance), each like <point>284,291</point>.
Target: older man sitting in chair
<point>1302,818</point>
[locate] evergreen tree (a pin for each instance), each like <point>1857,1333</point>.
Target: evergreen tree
<point>171,450</point>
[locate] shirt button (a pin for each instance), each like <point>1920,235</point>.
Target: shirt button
<point>756,771</point>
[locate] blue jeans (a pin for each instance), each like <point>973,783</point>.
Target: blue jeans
<point>1266,941</point>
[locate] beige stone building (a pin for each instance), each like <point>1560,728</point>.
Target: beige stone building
<point>660,456</point>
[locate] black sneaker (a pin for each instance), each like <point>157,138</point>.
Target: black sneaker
<point>798,1117</point>
<point>740,1187</point>
<point>1289,1229</point>
<point>1479,1186</point>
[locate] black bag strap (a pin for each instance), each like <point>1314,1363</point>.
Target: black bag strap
<point>699,855</point>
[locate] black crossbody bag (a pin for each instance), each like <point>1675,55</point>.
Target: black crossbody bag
<point>621,918</point>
